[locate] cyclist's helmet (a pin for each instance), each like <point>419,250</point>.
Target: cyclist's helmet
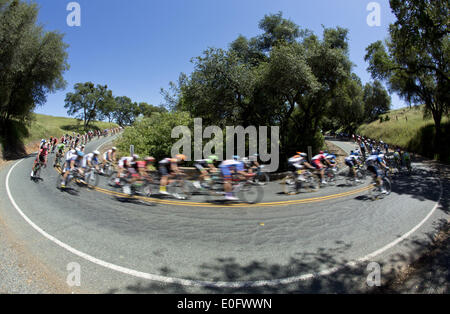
<point>214,158</point>
<point>181,157</point>
<point>149,159</point>
<point>300,154</point>
<point>96,152</point>
<point>236,157</point>
<point>80,153</point>
<point>114,148</point>
<point>135,157</point>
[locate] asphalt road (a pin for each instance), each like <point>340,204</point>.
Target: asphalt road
<point>167,246</point>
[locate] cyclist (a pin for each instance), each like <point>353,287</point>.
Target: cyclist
<point>59,152</point>
<point>91,160</point>
<point>41,158</point>
<point>397,158</point>
<point>149,163</point>
<point>228,167</point>
<point>374,162</point>
<point>331,158</point>
<point>125,163</point>
<point>252,163</point>
<point>362,146</point>
<point>138,171</point>
<point>407,160</point>
<point>351,161</point>
<point>54,144</point>
<point>204,166</point>
<point>299,162</point>
<point>110,155</point>
<point>318,162</point>
<point>168,167</point>
<point>73,162</point>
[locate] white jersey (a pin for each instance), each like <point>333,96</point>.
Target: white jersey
<point>89,158</point>
<point>105,155</point>
<point>127,160</point>
<point>71,155</point>
<point>297,162</point>
<point>352,158</point>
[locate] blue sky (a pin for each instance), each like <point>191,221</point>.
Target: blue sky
<point>138,46</point>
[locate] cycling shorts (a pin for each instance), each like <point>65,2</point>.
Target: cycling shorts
<point>163,170</point>
<point>374,170</point>
<point>317,164</point>
<point>350,163</point>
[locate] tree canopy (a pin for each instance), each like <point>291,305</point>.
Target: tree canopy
<point>32,61</point>
<point>414,60</point>
<point>287,76</point>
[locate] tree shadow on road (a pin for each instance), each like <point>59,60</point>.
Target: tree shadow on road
<point>344,278</point>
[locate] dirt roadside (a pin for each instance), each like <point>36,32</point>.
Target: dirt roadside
<point>430,272</point>
<point>20,270</point>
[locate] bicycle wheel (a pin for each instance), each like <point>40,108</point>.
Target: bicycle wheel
<point>330,177</point>
<point>262,178</point>
<point>71,184</point>
<point>92,179</point>
<point>361,175</point>
<point>112,179</point>
<point>58,181</point>
<point>108,170</point>
<point>290,186</point>
<point>250,194</point>
<point>215,190</point>
<point>179,190</point>
<point>387,185</point>
<point>312,183</point>
<point>146,190</point>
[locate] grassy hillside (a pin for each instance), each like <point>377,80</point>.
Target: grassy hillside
<point>409,130</point>
<point>45,126</point>
<point>13,142</point>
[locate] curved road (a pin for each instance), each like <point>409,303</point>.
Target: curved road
<point>308,244</point>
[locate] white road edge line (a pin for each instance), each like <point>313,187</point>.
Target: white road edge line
<point>199,283</point>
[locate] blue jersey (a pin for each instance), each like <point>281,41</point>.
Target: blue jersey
<point>373,160</point>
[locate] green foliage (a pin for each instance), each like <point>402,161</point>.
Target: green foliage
<point>347,106</point>
<point>146,110</point>
<point>126,111</point>
<point>152,135</point>
<point>87,102</point>
<point>415,60</point>
<point>376,101</point>
<point>284,77</point>
<point>32,62</point>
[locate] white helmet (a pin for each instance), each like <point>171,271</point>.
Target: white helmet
<point>96,152</point>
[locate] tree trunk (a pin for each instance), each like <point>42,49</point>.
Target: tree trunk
<point>437,116</point>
